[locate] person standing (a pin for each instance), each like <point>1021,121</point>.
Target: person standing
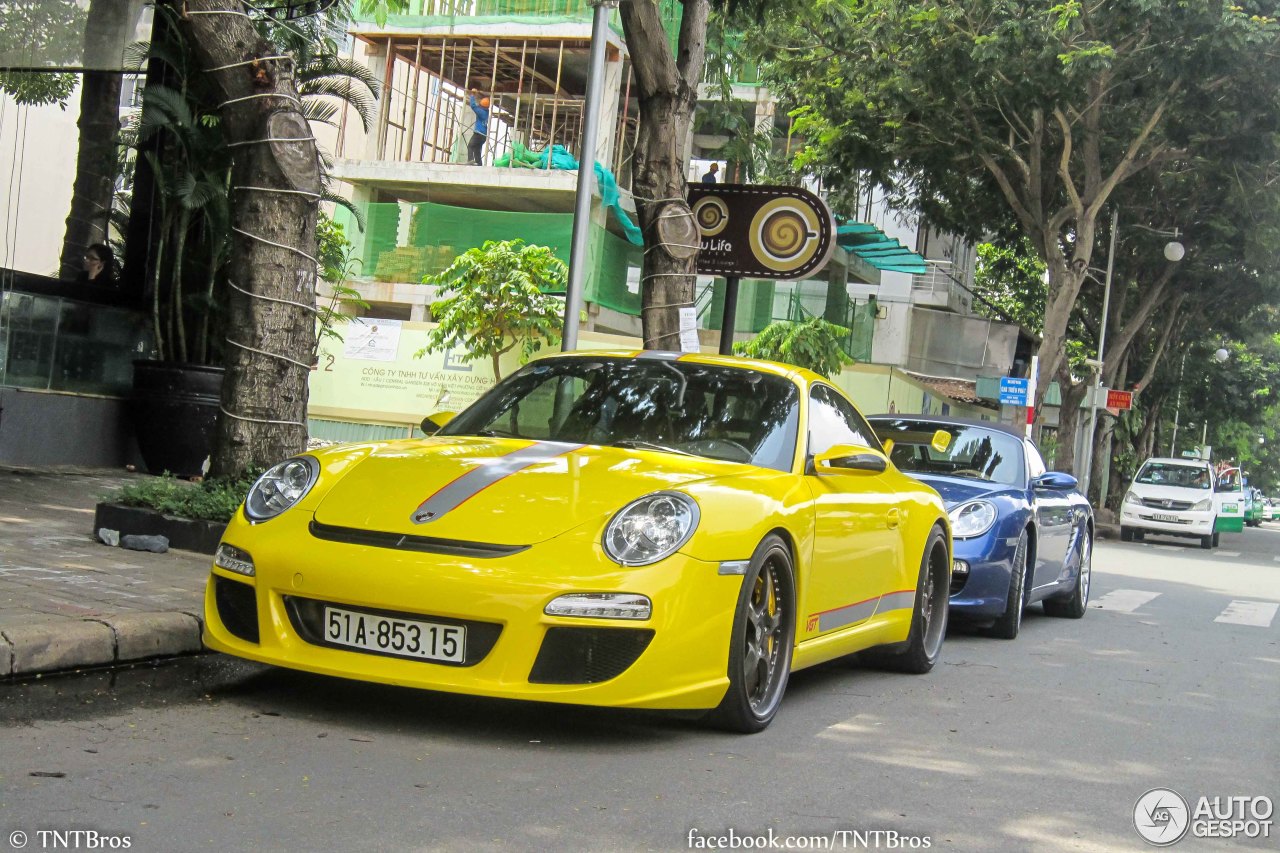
<point>710,176</point>
<point>475,148</point>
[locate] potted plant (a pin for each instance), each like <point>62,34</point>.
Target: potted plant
<point>177,392</point>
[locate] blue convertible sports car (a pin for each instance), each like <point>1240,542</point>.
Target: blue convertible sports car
<point>1021,533</point>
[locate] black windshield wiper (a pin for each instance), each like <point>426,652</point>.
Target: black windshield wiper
<point>637,444</point>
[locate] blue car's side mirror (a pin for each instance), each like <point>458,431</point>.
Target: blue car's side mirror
<point>1055,480</point>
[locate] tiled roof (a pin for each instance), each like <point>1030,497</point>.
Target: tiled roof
<point>960,390</point>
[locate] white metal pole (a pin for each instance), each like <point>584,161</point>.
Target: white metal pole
<point>586,173</point>
<point>1102,348</point>
<point>1031,392</point>
<point>1177,408</point>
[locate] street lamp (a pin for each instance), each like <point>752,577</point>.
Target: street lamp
<point>1173,252</point>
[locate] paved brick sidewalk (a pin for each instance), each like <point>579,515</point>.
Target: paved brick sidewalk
<point>67,601</point>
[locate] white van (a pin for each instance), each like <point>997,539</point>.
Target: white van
<point>1173,497</point>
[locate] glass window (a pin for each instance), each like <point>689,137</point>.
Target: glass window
<point>974,452</point>
<point>834,421</point>
<point>683,407</point>
<point>1173,474</point>
<point>1035,464</point>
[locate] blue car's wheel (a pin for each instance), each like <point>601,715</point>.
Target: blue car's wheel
<point>1076,602</point>
<point>1010,622</point>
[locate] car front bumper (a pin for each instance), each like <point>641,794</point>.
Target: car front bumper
<point>986,591</point>
<point>682,665</point>
<point>1186,523</point>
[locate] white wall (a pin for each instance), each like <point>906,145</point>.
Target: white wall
<point>38,148</point>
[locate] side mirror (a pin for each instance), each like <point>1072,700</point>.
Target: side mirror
<point>849,459</point>
<point>1055,480</point>
<point>432,424</point>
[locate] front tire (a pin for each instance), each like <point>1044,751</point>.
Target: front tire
<point>764,631</point>
<point>1009,623</point>
<point>1126,534</point>
<point>1075,604</point>
<point>929,617</point>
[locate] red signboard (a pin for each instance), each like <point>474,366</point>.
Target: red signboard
<point>1119,399</point>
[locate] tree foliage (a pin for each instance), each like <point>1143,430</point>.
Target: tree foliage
<point>813,344</point>
<point>495,300</point>
<point>983,112</point>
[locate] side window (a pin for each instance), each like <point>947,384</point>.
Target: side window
<point>1035,463</point>
<point>833,421</point>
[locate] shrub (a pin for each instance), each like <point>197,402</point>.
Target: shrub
<point>215,499</point>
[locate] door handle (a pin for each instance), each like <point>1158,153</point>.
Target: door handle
<point>891,520</point>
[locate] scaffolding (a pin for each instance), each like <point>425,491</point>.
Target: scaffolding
<point>535,87</point>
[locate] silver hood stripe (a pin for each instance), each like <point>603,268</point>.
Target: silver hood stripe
<point>453,495</point>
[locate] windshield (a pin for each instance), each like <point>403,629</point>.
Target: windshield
<point>682,407</point>
<point>975,452</point>
<point>1172,474</point>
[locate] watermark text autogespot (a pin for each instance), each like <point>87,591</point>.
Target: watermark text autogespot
<point>836,839</point>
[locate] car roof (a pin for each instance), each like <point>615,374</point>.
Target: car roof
<point>943,420</point>
<point>1170,460</point>
<point>739,362</point>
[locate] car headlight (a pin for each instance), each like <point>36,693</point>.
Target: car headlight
<point>650,528</point>
<point>281,487</point>
<point>1203,505</point>
<point>972,519</point>
<point>1132,498</point>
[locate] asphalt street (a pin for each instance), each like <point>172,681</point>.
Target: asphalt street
<point>1172,680</point>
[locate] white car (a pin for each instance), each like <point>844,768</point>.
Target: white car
<point>1268,509</point>
<point>1172,497</point>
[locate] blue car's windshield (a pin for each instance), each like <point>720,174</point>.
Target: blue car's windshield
<point>974,452</point>
<point>683,407</point>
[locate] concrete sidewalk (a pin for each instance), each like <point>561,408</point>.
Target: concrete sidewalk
<point>67,601</point>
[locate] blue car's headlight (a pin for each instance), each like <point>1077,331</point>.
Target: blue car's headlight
<point>972,519</point>
<point>281,487</point>
<point>650,528</point>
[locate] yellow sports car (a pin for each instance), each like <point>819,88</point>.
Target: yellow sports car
<point>648,530</point>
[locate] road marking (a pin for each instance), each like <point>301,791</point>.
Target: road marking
<point>1125,600</point>
<point>1256,613</point>
<point>1231,554</point>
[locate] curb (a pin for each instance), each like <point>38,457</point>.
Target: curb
<point>1106,531</point>
<point>50,647</point>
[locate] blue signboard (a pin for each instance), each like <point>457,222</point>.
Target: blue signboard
<point>1013,392</point>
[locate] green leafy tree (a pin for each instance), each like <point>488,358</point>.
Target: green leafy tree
<point>1009,281</point>
<point>496,302</point>
<point>813,344</point>
<point>981,112</point>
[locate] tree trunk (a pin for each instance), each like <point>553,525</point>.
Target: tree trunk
<point>88,220</point>
<point>272,262</point>
<point>667,89</point>
<point>1071,418</point>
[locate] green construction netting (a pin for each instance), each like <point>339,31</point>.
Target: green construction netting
<point>878,249</point>
<point>436,13</point>
<point>403,242</point>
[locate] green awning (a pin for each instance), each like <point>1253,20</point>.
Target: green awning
<point>878,249</point>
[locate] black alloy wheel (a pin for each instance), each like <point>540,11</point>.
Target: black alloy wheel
<point>760,650</point>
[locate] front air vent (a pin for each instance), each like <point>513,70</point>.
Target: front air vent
<point>587,655</point>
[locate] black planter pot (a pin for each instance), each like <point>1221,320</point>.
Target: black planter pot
<point>175,411</point>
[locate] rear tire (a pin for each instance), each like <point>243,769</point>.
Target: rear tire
<point>764,634</point>
<point>1075,604</point>
<point>1007,626</point>
<point>928,617</point>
